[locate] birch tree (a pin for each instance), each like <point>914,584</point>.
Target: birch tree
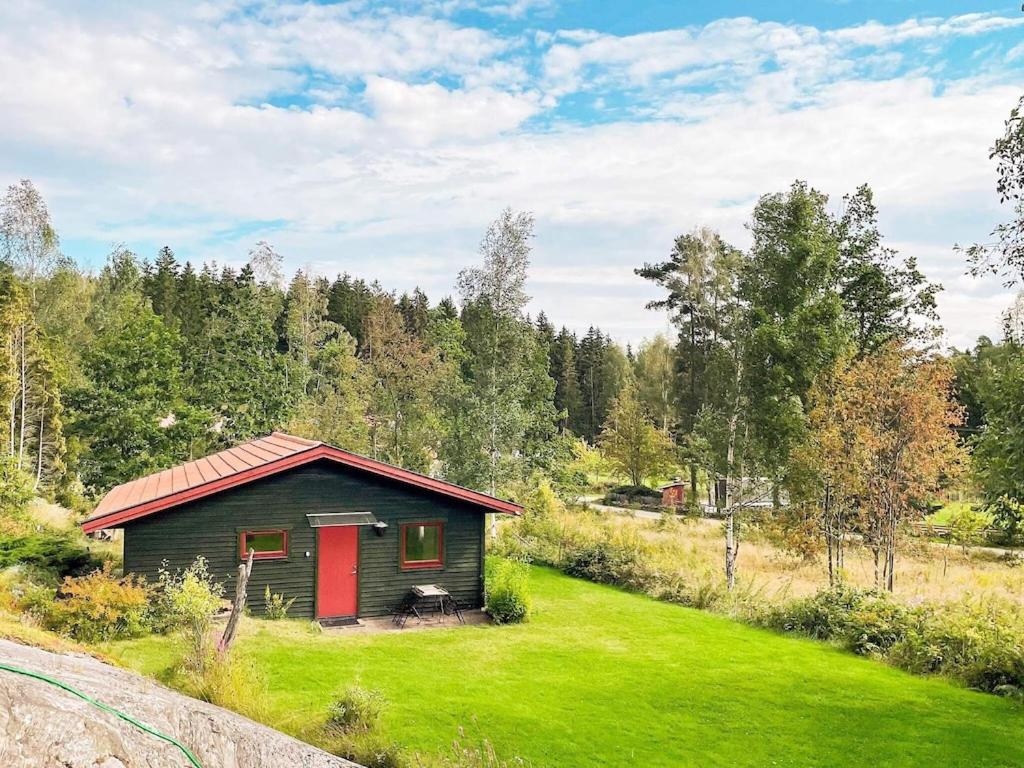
<point>1004,253</point>
<point>28,240</point>
<point>795,316</point>
<point>29,246</point>
<point>656,381</point>
<point>501,346</point>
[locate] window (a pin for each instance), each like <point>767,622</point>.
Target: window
<point>266,545</point>
<point>422,545</point>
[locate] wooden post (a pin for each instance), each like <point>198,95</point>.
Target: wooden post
<point>244,570</point>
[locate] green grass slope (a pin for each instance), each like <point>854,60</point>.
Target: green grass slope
<point>600,677</point>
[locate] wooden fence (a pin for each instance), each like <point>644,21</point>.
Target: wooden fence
<point>924,528</point>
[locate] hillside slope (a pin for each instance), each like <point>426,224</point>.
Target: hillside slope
<point>43,726</point>
<point>600,677</point>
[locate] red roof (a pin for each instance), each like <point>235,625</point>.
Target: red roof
<point>250,461</point>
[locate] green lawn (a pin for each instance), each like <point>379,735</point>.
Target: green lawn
<point>942,516</point>
<point>605,678</point>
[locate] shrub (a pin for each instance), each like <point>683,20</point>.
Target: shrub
<point>16,488</point>
<point>540,499</point>
<point>275,606</point>
<point>823,616</point>
<point>667,521</point>
<point>188,601</point>
<point>370,749</point>
<point>231,682</point>
<point>351,730</point>
<point>704,592</point>
<point>610,557</point>
<point>982,644</point>
<point>63,553</point>
<point>508,591</point>
<point>864,621</point>
<point>27,589</point>
<point>101,606</point>
<point>356,710</point>
<point>633,495</point>
<point>637,492</point>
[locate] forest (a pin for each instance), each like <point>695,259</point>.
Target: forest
<point>805,368</point>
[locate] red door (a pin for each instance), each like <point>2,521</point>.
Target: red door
<point>337,571</point>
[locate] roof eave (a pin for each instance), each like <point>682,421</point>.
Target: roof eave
<point>117,518</point>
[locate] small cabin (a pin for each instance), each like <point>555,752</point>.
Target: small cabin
<point>673,494</point>
<point>343,534</point>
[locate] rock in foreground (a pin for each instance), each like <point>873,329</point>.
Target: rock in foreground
<point>43,726</point>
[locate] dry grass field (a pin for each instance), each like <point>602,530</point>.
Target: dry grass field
<point>925,571</point>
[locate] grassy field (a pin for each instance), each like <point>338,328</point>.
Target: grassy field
<point>942,516</point>
<point>605,678</point>
<point>924,570</point>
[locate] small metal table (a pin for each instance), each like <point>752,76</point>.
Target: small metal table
<point>427,598</point>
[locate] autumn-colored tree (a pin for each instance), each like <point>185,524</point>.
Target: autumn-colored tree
<point>883,444</point>
<point>633,445</point>
<point>827,469</point>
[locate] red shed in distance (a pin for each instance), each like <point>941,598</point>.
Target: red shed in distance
<point>673,494</point>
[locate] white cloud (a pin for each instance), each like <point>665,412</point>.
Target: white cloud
<point>407,134</point>
<point>790,61</point>
<point>339,40</point>
<point>425,113</point>
<point>878,35</point>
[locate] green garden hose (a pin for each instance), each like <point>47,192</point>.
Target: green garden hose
<point>127,718</point>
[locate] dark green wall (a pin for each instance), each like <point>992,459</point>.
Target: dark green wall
<point>210,527</point>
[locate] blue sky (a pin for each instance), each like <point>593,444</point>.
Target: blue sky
<point>380,138</point>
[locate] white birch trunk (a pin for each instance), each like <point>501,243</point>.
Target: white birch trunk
<point>40,436</point>
<point>731,542</point>
<point>24,388</point>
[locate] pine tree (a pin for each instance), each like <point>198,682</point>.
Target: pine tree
<point>349,301</point>
<point>566,377</point>
<point>885,299</point>
<point>192,304</point>
<point>415,311</point>
<point>602,372</point>
<point>700,279</point>
<point>161,286</point>
<point>240,374</point>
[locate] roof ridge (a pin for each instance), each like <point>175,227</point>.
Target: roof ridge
<point>291,438</point>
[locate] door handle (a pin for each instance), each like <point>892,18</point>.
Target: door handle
<point>355,569</point>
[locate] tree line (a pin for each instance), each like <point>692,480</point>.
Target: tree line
<point>804,374</point>
<point>112,375</point>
